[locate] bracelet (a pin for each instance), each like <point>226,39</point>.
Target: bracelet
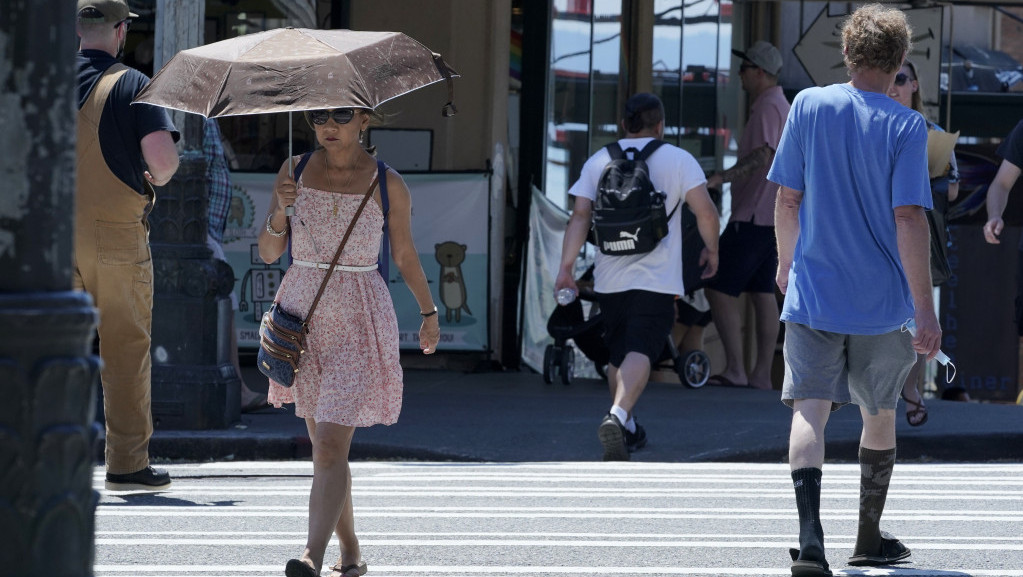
<point>271,230</point>
<point>429,314</point>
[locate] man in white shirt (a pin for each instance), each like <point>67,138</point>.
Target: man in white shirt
<point>637,292</point>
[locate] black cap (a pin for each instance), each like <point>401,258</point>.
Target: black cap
<point>640,103</point>
<point>635,106</point>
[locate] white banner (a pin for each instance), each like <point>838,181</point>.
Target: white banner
<point>450,227</point>
<point>547,222</point>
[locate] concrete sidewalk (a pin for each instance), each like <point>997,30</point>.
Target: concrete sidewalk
<point>514,416</point>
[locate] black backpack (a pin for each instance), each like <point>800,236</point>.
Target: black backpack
<point>628,214</point>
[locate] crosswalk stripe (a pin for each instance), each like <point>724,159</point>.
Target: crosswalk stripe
<point>458,570</point>
<point>591,494</point>
<point>638,544</point>
<point>419,535</point>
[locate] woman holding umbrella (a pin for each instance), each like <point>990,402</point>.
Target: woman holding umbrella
<point>351,376</point>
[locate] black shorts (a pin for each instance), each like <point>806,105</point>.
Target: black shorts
<point>690,315</point>
<point>636,321</point>
<point>747,260</point>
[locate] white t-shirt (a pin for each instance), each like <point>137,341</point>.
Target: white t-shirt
<point>674,172</point>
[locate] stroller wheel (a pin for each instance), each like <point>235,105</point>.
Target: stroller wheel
<point>550,362</point>
<point>567,365</point>
<point>693,368</point>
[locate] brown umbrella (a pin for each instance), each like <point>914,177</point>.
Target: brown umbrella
<point>294,69</point>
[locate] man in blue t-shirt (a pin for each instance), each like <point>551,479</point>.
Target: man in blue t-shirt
<point>123,150</point>
<point>853,248</point>
<point>1011,151</point>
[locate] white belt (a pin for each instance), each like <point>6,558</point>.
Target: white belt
<point>325,266</point>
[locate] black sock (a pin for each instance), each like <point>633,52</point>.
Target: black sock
<point>875,474</point>
<point>807,483</point>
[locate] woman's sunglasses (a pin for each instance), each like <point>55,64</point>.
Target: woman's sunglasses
<point>340,115</point>
<point>901,79</point>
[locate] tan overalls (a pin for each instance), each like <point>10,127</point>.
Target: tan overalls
<point>113,263</point>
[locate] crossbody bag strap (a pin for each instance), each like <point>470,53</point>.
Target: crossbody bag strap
<point>337,255</point>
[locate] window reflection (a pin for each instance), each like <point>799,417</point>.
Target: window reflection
<point>607,56</point>
<point>569,109</point>
<point>689,64</point>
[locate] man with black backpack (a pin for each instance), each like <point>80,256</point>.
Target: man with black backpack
<point>631,193</point>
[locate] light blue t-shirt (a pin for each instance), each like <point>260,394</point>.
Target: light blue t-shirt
<point>856,156</point>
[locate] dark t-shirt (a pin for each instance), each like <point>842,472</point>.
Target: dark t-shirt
<point>1011,148</point>
<point>122,124</point>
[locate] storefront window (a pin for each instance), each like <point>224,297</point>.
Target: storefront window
<point>588,80</point>
<point>569,109</point>
<point>607,64</point>
<point>691,71</point>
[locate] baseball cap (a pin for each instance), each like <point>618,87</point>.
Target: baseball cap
<point>640,103</point>
<point>764,55</point>
<point>635,106</point>
<point>104,11</point>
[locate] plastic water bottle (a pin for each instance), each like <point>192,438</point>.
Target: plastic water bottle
<point>910,327</point>
<point>565,296</point>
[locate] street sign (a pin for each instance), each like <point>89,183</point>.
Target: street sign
<point>820,49</point>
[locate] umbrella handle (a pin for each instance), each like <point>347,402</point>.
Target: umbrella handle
<point>449,109</point>
<point>290,210</point>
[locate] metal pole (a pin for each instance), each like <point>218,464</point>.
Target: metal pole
<point>948,91</point>
<point>48,442</point>
<point>290,210</point>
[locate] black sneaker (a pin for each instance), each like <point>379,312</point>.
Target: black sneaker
<point>635,441</point>
<point>612,436</point>
<point>148,479</point>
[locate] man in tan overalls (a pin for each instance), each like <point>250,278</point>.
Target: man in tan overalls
<point>112,260</point>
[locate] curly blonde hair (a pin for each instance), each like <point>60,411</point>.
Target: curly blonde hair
<point>876,37</point>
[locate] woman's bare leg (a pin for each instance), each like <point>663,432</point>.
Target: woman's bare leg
<point>331,488</point>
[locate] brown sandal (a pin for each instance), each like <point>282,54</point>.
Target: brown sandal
<point>353,570</point>
<point>919,408</point>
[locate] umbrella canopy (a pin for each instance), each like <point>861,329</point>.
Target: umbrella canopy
<point>293,69</point>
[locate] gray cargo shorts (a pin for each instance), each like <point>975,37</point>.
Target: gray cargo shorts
<point>867,370</point>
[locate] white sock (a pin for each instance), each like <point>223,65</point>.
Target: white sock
<point>620,413</point>
<point>630,425</point>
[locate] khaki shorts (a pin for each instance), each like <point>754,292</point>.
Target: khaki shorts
<point>868,370</point>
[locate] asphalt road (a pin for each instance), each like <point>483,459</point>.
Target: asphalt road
<point>565,519</point>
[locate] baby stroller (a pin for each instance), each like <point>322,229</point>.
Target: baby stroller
<point>692,367</point>
<point>568,322</point>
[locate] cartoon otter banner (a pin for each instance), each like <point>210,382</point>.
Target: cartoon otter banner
<point>450,218</point>
<point>451,214</point>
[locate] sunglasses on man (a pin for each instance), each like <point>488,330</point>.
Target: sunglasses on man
<point>340,116</point>
<point>901,79</point>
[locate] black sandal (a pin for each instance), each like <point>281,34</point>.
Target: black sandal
<point>919,409</point>
<point>892,551</point>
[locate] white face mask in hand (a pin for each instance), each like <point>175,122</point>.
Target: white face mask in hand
<point>950,368</point>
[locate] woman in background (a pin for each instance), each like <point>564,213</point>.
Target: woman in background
<point>944,189</point>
